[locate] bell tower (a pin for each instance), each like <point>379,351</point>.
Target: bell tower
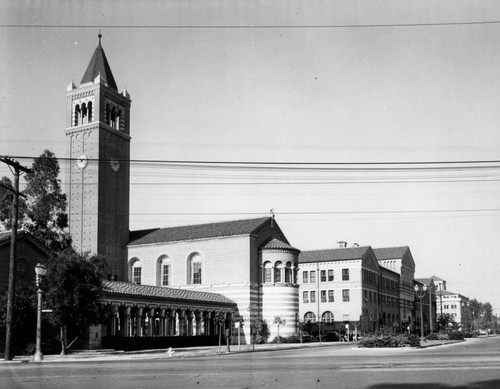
<point>98,147</point>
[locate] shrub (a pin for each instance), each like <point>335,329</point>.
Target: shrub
<point>288,339</point>
<point>390,341</point>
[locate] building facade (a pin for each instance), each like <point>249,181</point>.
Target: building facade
<point>247,261</point>
<point>400,260</point>
<point>456,306</point>
<point>30,252</point>
<point>345,287</point>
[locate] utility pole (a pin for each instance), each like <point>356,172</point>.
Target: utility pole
<point>17,170</point>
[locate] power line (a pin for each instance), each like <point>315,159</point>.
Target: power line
<point>208,163</point>
<point>312,213</point>
<point>252,26</point>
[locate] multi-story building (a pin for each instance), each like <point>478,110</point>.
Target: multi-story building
<point>400,260</point>
<point>456,306</point>
<point>346,286</point>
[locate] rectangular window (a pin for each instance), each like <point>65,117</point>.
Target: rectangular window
<point>345,295</point>
<point>313,276</point>
<point>330,296</point>
<point>305,297</point>
<point>323,275</point>
<point>136,277</point>
<point>305,277</point>
<point>313,296</point>
<point>196,273</point>
<point>330,275</point>
<point>345,274</point>
<point>323,296</point>
<point>165,275</point>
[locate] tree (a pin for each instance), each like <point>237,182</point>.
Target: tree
<point>74,292</point>
<point>45,211</point>
<point>6,200</point>
<point>488,314</point>
<point>24,323</point>
<point>279,322</point>
<point>477,310</point>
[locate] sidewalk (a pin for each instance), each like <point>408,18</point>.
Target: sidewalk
<point>178,353</point>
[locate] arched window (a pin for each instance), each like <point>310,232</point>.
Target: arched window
<point>164,272</point>
<point>118,117</point>
<point>194,268</point>
<point>84,114</point>
<point>288,272</point>
<point>108,115</point>
<point>136,272</point>
<point>309,316</point>
<point>327,317</point>
<point>268,272</point>
<point>77,115</point>
<point>277,271</point>
<point>89,114</point>
<point>113,118</point>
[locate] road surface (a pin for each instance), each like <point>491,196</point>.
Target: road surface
<point>472,364</point>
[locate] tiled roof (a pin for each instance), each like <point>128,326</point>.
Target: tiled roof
<point>200,231</point>
<point>99,66</point>
<point>276,244</point>
<point>150,291</point>
<point>5,239</point>
<point>340,254</point>
<point>390,252</point>
<point>426,281</point>
<point>447,293</point>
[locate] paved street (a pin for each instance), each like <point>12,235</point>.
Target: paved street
<point>472,364</point>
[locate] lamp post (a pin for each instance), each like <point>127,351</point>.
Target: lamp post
<point>420,295</point>
<point>40,271</point>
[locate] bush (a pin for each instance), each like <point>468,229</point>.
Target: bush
<point>390,341</point>
<point>288,339</point>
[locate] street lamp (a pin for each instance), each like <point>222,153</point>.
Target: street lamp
<point>420,295</point>
<point>40,271</point>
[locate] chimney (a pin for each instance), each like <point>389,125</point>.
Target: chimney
<point>342,244</point>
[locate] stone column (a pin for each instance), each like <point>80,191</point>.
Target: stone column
<point>189,323</point>
<point>161,315</point>
<point>125,327</point>
<point>181,314</point>
<point>152,323</point>
<point>198,317</point>
<point>138,316</point>
<point>115,320</point>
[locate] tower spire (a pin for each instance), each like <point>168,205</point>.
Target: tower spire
<point>99,66</point>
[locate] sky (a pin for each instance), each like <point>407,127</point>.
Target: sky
<point>371,122</point>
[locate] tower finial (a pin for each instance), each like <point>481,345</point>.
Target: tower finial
<point>99,36</point>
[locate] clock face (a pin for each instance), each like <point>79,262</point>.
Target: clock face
<point>81,162</point>
<point>114,164</point>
